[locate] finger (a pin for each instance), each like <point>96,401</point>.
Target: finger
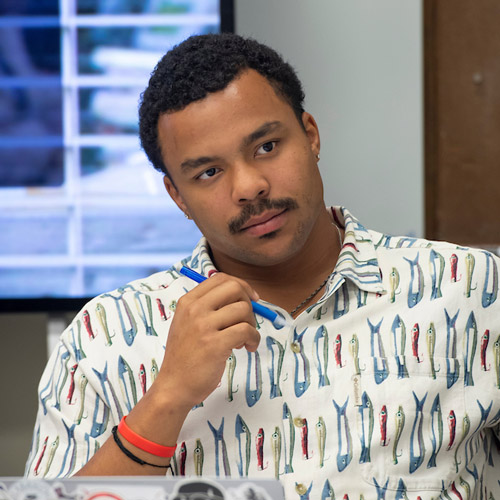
<point>219,294</point>
<point>216,280</point>
<point>232,314</point>
<point>240,335</point>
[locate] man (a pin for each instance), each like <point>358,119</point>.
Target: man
<point>385,382</point>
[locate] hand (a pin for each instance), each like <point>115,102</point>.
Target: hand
<point>209,322</point>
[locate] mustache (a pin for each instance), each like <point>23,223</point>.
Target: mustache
<point>248,211</point>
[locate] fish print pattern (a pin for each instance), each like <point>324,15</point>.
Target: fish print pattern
<point>392,378</point>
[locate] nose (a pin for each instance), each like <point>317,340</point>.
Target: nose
<point>249,184</point>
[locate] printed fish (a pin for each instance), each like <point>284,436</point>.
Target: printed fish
<point>241,428</point>
<point>219,439</point>
<point>276,365</point>
<point>230,369</point>
<point>198,456</point>
<point>436,430</point>
<point>401,491</point>
<point>321,350</point>
<point>127,383</point>
<point>338,351</point>
<point>77,347</point>
<point>69,452</point>
<point>147,319</point>
<point>452,426</point>
<point>46,392</point>
<point>341,302</point>
<point>366,415</point>
<point>154,370</point>
<point>161,310</point>
<point>416,288</point>
<point>52,451</point>
<point>321,435</point>
<point>301,423</point>
<point>288,438</point>
<point>354,350</point>
<point>300,386</point>
<point>417,439</point>
<point>88,324</point>
<point>484,346</point>
<point>344,453</point>
<point>470,263</point>
<point>327,493</point>
<point>437,270</point>
<point>104,380</point>
<point>143,378</point>
<point>398,330</point>
<point>394,280</point>
<point>470,342</point>
<point>383,426</point>
<point>452,365</point>
<point>381,490</point>
<point>454,267</point>
<point>182,458</point>
<point>400,424</point>
<point>99,426</point>
<point>380,367</point>
<point>71,390</point>
<point>431,344</point>
<point>122,307</point>
<point>496,352</point>
<point>36,470</point>
<point>415,334</point>
<point>465,431</point>
<point>254,378</point>
<point>83,385</point>
<point>471,442</point>
<point>259,445</point>
<point>61,379</point>
<point>490,289</point>
<point>100,313</point>
<point>276,450</point>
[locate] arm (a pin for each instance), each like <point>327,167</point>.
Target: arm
<point>209,322</point>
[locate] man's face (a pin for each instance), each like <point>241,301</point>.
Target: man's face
<point>245,170</point>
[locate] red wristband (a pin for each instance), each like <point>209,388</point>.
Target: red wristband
<point>143,443</point>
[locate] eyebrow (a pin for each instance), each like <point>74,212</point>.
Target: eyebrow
<point>263,130</point>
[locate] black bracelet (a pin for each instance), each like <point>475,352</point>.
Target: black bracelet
<point>131,455</point>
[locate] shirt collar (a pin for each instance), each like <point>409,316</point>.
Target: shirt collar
<point>357,260</point>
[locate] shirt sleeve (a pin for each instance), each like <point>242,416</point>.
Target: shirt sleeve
<point>73,419</point>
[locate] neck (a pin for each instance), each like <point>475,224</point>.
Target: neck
<point>288,283</point>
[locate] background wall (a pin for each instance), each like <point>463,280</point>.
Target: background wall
<point>360,62</point>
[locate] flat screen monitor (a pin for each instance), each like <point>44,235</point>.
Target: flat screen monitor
<point>81,210</point>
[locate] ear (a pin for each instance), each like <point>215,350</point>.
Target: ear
<point>174,194</point>
<point>312,132</point>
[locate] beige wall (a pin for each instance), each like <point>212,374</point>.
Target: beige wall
<point>23,354</point>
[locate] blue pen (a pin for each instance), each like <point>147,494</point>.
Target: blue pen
<point>276,319</point>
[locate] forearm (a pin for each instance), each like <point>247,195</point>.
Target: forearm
<point>157,418</point>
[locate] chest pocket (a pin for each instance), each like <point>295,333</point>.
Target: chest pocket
<point>419,424</point>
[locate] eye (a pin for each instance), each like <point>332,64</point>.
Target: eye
<point>266,148</point>
<point>207,174</point>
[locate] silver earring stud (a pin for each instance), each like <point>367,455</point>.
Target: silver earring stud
<point>317,157</point>
<point>187,216</point>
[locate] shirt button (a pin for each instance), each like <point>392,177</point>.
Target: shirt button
<point>295,347</point>
<point>300,489</point>
<point>298,422</point>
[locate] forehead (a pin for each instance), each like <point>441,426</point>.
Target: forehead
<point>236,111</point>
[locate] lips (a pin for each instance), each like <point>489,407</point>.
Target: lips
<point>265,223</point>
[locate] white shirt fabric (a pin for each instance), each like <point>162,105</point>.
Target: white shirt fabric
<point>388,387</point>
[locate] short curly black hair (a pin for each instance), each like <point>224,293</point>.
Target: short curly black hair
<point>203,64</point>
